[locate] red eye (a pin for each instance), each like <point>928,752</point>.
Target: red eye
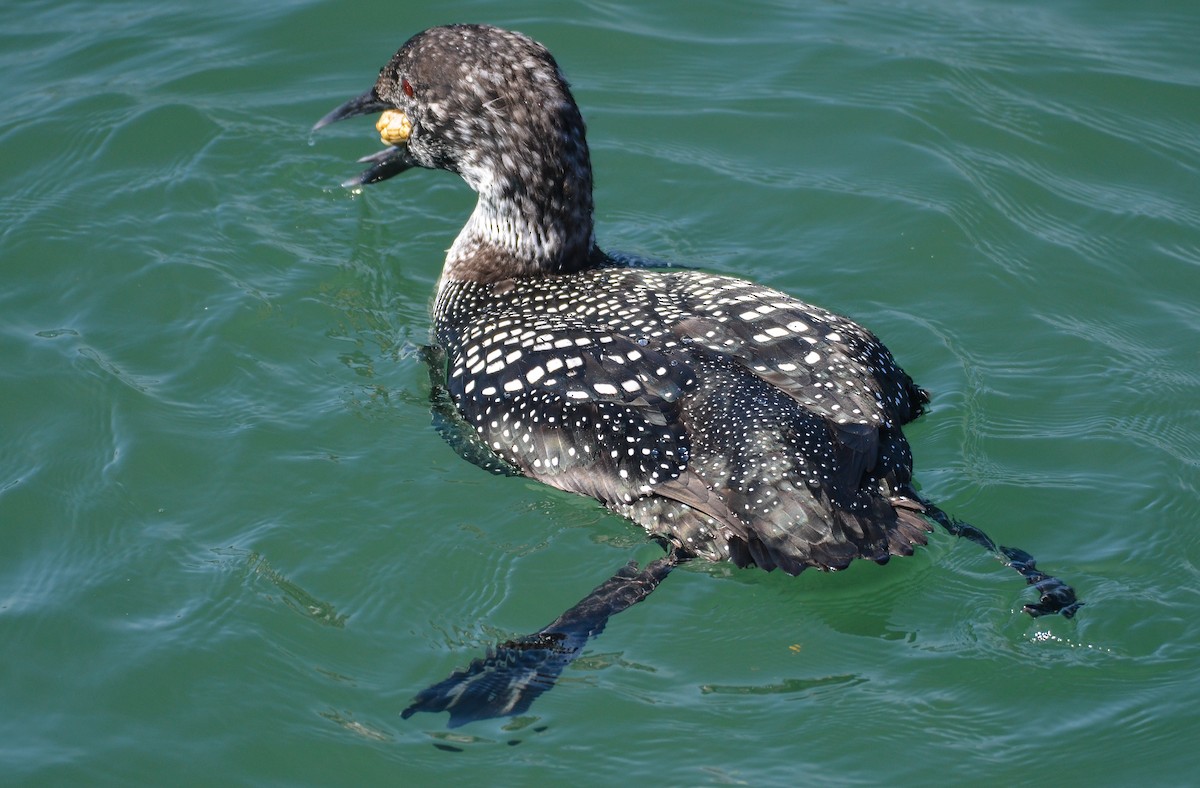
<point>406,87</point>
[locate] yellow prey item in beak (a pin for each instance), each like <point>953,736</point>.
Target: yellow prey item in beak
<point>393,127</point>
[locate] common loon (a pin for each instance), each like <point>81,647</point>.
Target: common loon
<point>730,420</point>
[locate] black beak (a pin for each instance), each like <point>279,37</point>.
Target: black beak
<point>366,104</point>
<point>390,161</point>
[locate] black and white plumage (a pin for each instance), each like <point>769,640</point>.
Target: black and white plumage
<point>729,420</point>
<point>726,418</point>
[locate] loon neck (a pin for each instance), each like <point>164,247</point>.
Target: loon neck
<point>534,214</point>
<point>507,238</point>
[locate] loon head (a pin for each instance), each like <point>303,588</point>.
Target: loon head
<point>492,106</point>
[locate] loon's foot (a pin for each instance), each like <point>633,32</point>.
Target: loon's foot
<point>515,673</point>
<point>1056,596</point>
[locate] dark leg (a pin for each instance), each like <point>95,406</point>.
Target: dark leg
<point>512,675</point>
<point>1056,596</point>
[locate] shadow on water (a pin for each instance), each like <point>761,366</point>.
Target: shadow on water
<point>292,595</point>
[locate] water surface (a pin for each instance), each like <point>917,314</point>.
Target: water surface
<point>233,548</point>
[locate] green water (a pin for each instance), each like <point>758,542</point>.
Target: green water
<point>232,548</point>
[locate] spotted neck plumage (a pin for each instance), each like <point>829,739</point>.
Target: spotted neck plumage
<point>534,214</point>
